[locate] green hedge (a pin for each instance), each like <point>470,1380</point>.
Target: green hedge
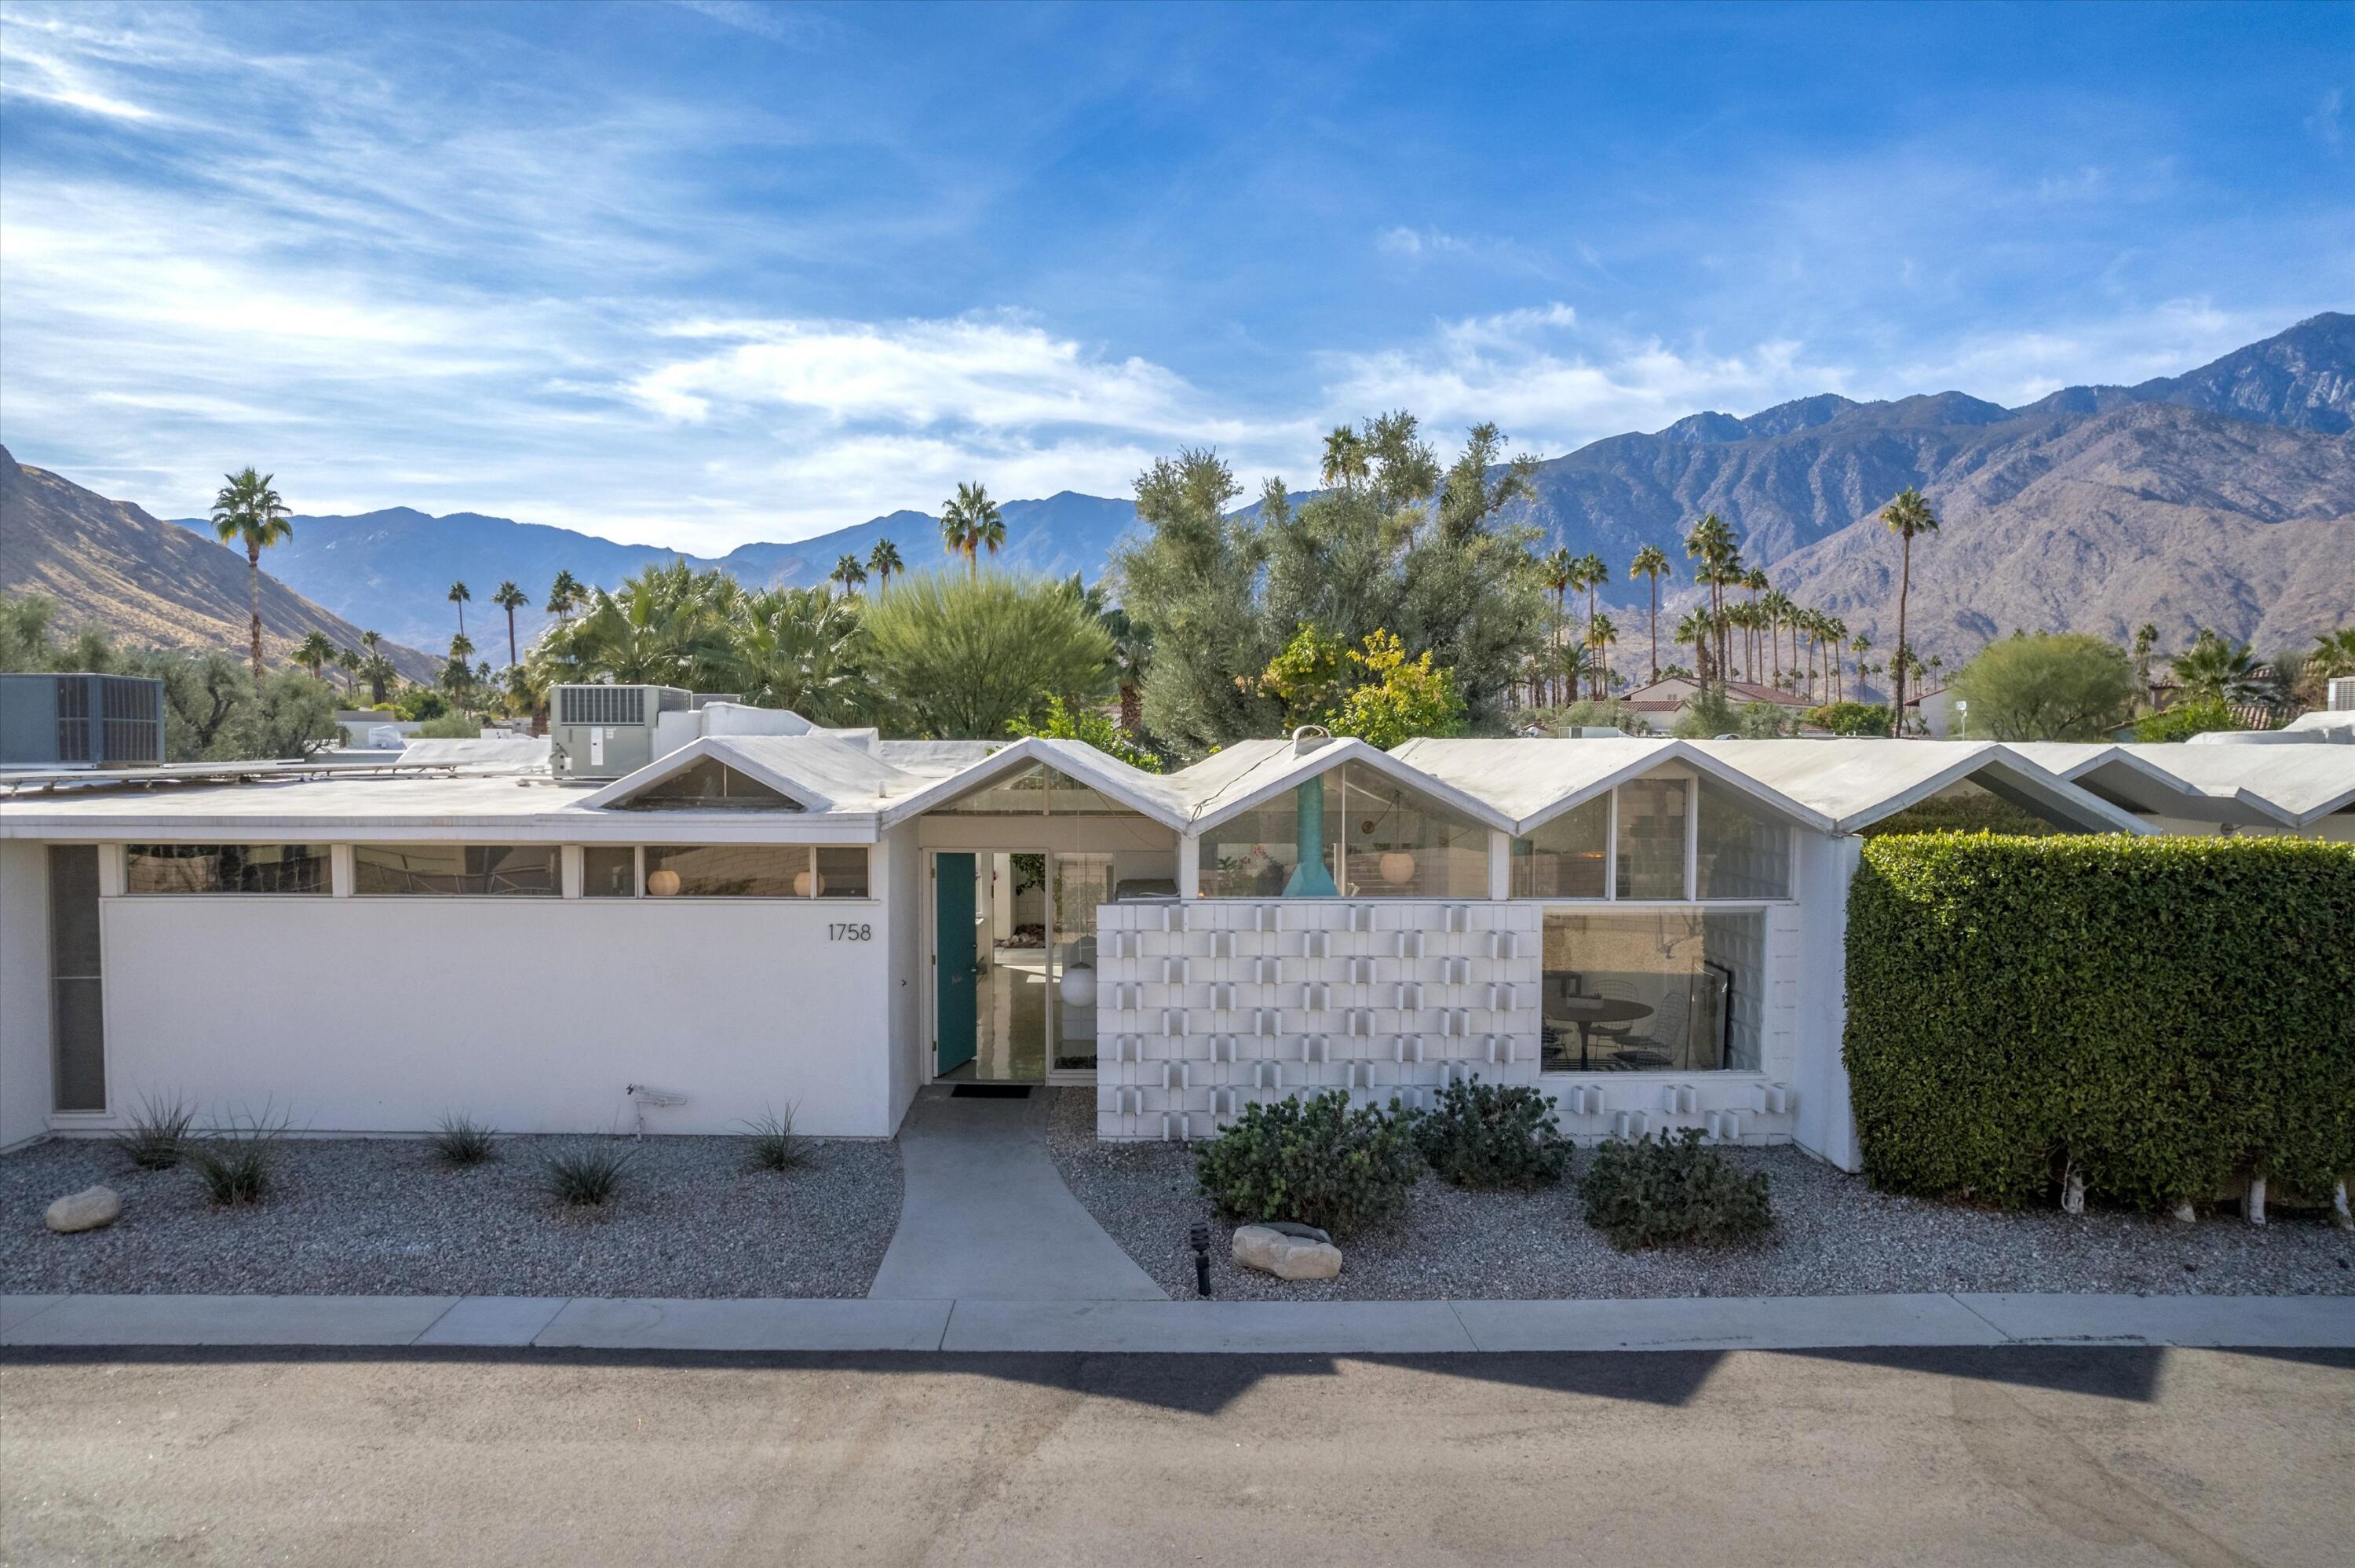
<point>2161,1013</point>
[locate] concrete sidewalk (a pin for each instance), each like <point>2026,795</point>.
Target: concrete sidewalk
<point>1338,1327</point>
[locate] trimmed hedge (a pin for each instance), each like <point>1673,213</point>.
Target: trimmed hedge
<point>2158,1014</point>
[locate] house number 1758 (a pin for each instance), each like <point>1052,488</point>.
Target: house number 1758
<point>849,933</point>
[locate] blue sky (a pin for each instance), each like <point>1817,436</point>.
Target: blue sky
<point>702,273</point>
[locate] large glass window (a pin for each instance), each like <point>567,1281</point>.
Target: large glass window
<point>1564,858</point>
<point>1033,791</point>
<point>1348,832</point>
<point>1672,990</point>
<point>1652,839</point>
<point>755,871</point>
<point>225,868</point>
<point>523,870</point>
<point>709,785</point>
<point>77,1000</point>
<point>1743,852</point>
<point>609,871</point>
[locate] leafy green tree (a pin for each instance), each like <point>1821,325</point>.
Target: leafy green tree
<point>965,658</point>
<point>1309,676</point>
<point>1651,563</point>
<point>510,599</point>
<point>2186,717</point>
<point>2060,686</point>
<point>1709,714</point>
<point>1907,515</point>
<point>249,511</point>
<point>1191,573</point>
<point>1850,718</point>
<point>1396,698</point>
<point>1060,721</point>
<point>969,522</point>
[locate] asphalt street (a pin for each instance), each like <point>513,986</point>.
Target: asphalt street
<point>2038,1455</point>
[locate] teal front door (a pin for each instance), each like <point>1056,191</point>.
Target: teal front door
<point>954,1017</point>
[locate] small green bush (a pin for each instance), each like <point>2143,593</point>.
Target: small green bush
<point>1851,718</point>
<point>236,1164</point>
<point>1493,1135</point>
<point>1674,1190</point>
<point>775,1146</point>
<point>463,1140</point>
<point>585,1174</point>
<point>157,1137</point>
<point>1315,1163</point>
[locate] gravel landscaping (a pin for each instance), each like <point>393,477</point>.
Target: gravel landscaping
<point>1833,1235</point>
<point>379,1216</point>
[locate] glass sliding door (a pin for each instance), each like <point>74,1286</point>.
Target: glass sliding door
<point>1081,881</point>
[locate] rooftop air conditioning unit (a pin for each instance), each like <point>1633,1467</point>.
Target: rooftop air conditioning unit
<point>606,732</point>
<point>80,721</point>
<point>2342,693</point>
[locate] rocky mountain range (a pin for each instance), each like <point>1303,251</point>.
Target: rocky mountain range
<point>110,564</point>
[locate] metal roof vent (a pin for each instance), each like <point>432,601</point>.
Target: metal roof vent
<point>1308,737</point>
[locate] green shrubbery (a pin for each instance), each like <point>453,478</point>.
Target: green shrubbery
<point>1315,1163</point>
<point>2155,1014</point>
<point>1493,1135</point>
<point>1672,1189</point>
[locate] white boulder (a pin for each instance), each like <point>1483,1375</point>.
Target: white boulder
<point>85,1210</point>
<point>1287,1256</point>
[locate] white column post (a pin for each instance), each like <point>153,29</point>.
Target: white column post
<point>1500,865</point>
<point>1189,881</point>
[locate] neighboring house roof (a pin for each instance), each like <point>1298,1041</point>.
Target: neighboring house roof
<point>527,754</point>
<point>1918,698</point>
<point>1673,692</point>
<point>1857,782</point>
<point>2299,783</point>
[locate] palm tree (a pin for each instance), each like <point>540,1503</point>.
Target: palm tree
<point>1712,543</point>
<point>459,593</point>
<point>1754,579</point>
<point>2146,639</point>
<point>1347,462</point>
<point>1695,628</point>
<point>849,571</point>
<point>249,511</point>
<point>510,599</point>
<point>1860,647</point>
<point>1599,635</point>
<point>461,647</point>
<point>1906,515</point>
<point>1836,636</point>
<point>969,520</point>
<point>1558,572</point>
<point>883,560</point>
<point>1131,656</point>
<point>314,652</point>
<point>375,667</point>
<point>1593,573</point>
<point>564,595</point>
<point>2213,667</point>
<point>1652,562</point>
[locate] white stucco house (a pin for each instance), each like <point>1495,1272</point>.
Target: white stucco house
<point>1650,929</point>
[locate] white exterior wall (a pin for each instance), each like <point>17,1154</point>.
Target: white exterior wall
<point>899,873</point>
<point>26,1092</point>
<point>531,1014</point>
<point>1826,1125</point>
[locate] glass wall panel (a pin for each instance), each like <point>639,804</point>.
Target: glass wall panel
<point>841,872</point>
<point>1742,851</point>
<point>520,871</point>
<point>1366,837</point>
<point>1081,883</point>
<point>755,871</point>
<point>609,871</point>
<point>77,1014</point>
<point>1678,990</point>
<point>1652,839</point>
<point>1033,791</point>
<point>225,868</point>
<point>1564,859</point>
<point>709,785</point>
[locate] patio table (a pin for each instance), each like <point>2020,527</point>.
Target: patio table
<point>1586,1011</point>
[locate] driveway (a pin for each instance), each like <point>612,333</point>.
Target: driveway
<point>2035,1456</point>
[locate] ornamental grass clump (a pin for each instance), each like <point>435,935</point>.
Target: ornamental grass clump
<point>462,1140</point>
<point>586,1175</point>
<point>775,1146</point>
<point>1672,1191</point>
<point>1493,1136</point>
<point>157,1137</point>
<point>1313,1162</point>
<point>236,1164</point>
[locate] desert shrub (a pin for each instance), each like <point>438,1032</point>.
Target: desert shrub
<point>1493,1135</point>
<point>1672,1190</point>
<point>1851,718</point>
<point>236,1164</point>
<point>157,1137</point>
<point>585,1174</point>
<point>462,1140</point>
<point>2157,1015</point>
<point>1315,1163</point>
<point>775,1146</point>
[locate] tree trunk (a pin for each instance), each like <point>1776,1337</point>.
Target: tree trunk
<point>1896,664</point>
<point>254,585</point>
<point>1132,709</point>
<point>1656,627</point>
<point>511,646</point>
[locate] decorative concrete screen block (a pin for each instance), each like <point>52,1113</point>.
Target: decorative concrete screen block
<point>1584,1099</point>
<point>1317,945</point>
<point>1361,971</point>
<point>1222,1048</point>
<point>1267,971</point>
<point>1222,944</point>
<point>1222,996</point>
<point>1127,1048</point>
<point>1316,1048</point>
<point>1772,1099</point>
<point>1407,1048</point>
<point>1177,1074</point>
<point>1456,918</point>
<point>1173,1021</point>
<point>1360,1021</point>
<point>1724,1126</point>
<point>1500,1050</point>
<point>1361,1075</point>
<point>1173,916</point>
<point>1267,917</point>
<point>1414,1098</point>
<point>1452,1073</point>
<point>1124,945</point>
<point>1361,917</point>
<point>1226,1101</point>
<point>1630,1124</point>
<point>1316,996</point>
<point>1173,972</point>
<point>1678,1099</point>
<point>1409,996</point>
<point>1500,997</point>
<point>1128,1101</point>
<point>1502,944</point>
<point>1456,971</point>
<point>1408,945</point>
<point>1267,1022</point>
<point>1267,1075</point>
<point>1455,1022</point>
<point>1127,997</point>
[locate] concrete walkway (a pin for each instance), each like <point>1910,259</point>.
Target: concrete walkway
<point>984,1217</point>
<point>1335,1327</point>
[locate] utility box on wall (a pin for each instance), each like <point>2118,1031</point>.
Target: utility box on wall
<point>80,721</point>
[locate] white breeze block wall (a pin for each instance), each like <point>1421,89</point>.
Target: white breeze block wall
<point>1204,1006</point>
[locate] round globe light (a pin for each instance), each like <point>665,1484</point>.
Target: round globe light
<point>808,885</point>
<point>1398,867</point>
<point>1080,986</point>
<point>662,884</point>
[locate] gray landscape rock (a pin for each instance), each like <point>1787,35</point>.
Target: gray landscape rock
<point>1288,1228</point>
<point>1286,1256</point>
<point>87,1210</point>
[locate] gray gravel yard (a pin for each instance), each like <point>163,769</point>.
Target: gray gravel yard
<point>1833,1235</point>
<point>379,1216</point>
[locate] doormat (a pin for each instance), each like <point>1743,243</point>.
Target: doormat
<point>990,1092</point>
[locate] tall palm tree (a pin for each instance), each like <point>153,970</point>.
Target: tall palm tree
<point>564,595</point>
<point>248,511</point>
<point>1559,572</point>
<point>1652,562</point>
<point>1592,572</point>
<point>459,593</point>
<point>849,571</point>
<point>883,560</point>
<point>969,520</point>
<point>1347,463</point>
<point>461,647</point>
<point>1696,628</point>
<point>2214,667</point>
<point>1131,656</point>
<point>314,654</point>
<point>1754,579</point>
<point>1712,544</point>
<point>1861,646</point>
<point>374,669</point>
<point>1907,514</point>
<point>510,599</point>
<point>1836,636</point>
<point>2146,641</point>
<point>1599,635</point>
